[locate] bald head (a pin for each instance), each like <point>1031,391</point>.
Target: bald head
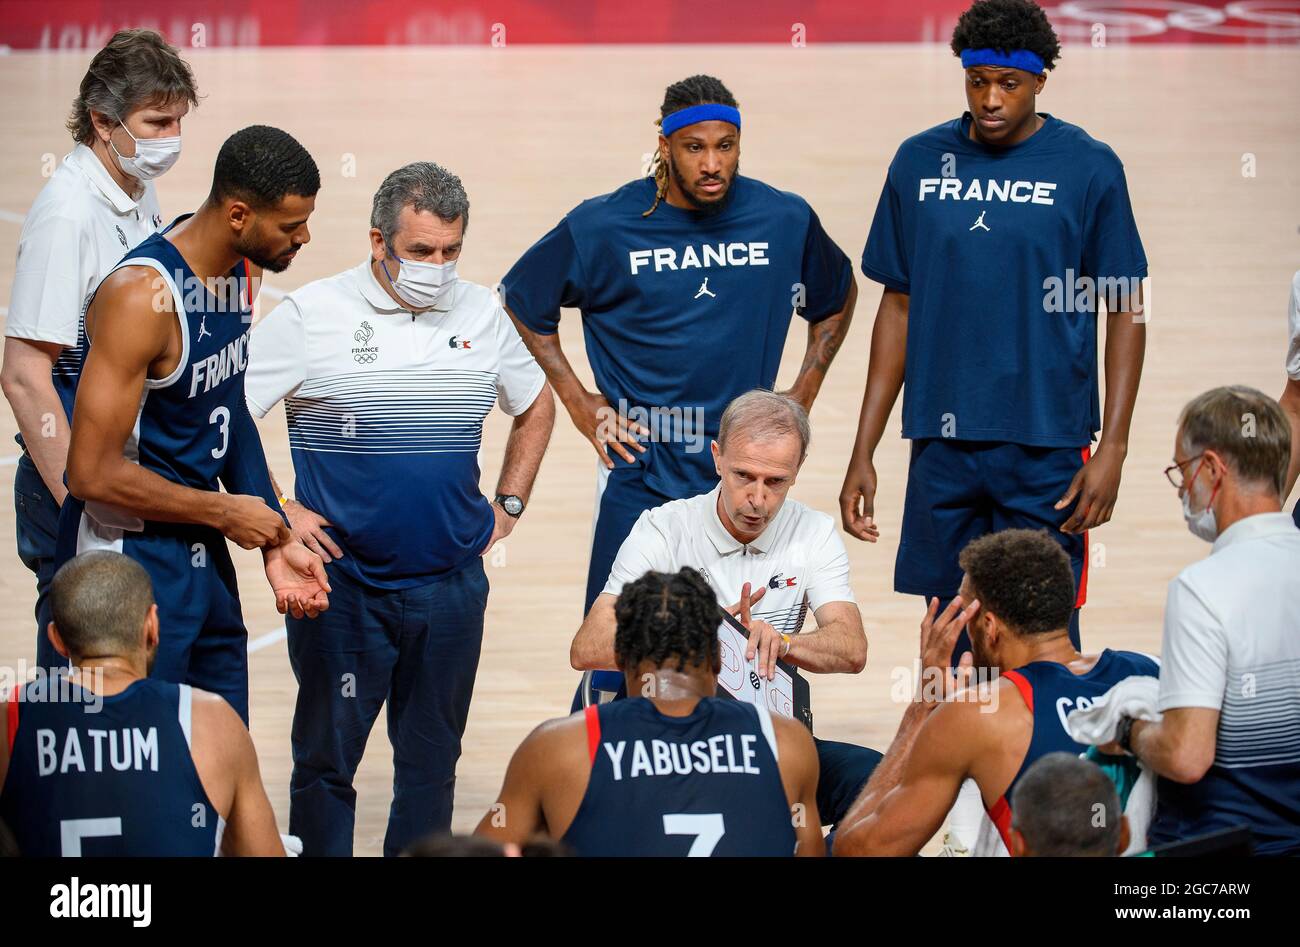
<point>100,602</point>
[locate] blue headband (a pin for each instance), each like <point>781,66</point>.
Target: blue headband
<point>699,113</point>
<point>1015,58</point>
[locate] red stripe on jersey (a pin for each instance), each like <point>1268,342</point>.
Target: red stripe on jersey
<point>1083,575</point>
<point>1022,684</point>
<point>1000,815</point>
<point>11,712</point>
<point>593,731</point>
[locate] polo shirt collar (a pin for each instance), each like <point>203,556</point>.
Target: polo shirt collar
<point>1254,527</point>
<point>373,292</point>
<point>724,542</point>
<point>90,165</point>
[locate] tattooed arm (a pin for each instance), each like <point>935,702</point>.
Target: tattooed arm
<point>824,339</point>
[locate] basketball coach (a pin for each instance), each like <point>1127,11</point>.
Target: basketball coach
<point>388,371</point>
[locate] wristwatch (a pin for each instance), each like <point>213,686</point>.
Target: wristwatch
<point>513,506</point>
<point>1124,734</point>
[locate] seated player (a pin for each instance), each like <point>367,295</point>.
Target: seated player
<point>125,764</point>
<point>1066,806</point>
<point>747,534</point>
<point>1017,594</point>
<point>675,771</point>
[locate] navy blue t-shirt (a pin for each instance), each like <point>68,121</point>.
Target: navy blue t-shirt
<point>681,311</point>
<point>997,248</point>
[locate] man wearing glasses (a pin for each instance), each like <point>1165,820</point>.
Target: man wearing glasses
<point>1227,748</point>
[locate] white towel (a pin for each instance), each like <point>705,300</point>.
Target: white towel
<point>1134,697</point>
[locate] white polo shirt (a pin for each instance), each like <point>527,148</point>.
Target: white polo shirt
<point>78,229</point>
<point>385,410</point>
<point>800,557</point>
<point>1232,643</point>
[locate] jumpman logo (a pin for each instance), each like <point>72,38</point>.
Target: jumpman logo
<point>980,223</point>
<point>704,290</point>
<point>203,329</point>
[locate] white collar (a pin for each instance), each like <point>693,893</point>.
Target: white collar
<point>88,163</point>
<point>1255,526</point>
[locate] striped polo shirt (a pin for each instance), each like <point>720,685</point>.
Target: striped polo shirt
<point>385,409</point>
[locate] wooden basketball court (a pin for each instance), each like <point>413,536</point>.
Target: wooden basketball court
<point>534,130</point>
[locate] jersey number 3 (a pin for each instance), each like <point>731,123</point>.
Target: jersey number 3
<point>707,829</point>
<point>221,416</point>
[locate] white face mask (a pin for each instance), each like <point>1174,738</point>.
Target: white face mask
<point>1202,524</point>
<point>421,285</point>
<point>153,156</point>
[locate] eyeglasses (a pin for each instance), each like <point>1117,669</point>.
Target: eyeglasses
<point>1169,471</point>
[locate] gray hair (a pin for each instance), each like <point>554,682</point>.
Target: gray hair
<point>136,69</point>
<point>765,415</point>
<point>1066,806</point>
<point>1246,426</point>
<point>422,186</point>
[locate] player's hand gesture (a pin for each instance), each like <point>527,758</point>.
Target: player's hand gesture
<point>309,529</point>
<point>858,500</point>
<point>939,632</point>
<point>606,429</point>
<point>251,523</point>
<point>297,577</point>
<point>1096,486</point>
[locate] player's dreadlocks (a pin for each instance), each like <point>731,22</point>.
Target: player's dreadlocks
<point>696,90</point>
<point>662,616</point>
<point>1006,25</point>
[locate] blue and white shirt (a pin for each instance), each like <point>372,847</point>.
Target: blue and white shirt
<point>385,410</point>
<point>681,312</point>
<point>996,248</point>
<point>1232,644</point>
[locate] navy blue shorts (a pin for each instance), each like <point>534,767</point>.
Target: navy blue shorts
<point>960,490</point>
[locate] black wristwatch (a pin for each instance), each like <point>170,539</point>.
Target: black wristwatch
<point>1124,734</point>
<point>513,506</point>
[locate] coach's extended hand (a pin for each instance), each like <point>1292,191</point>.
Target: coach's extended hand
<point>764,640</point>
<point>297,577</point>
<point>1096,486</point>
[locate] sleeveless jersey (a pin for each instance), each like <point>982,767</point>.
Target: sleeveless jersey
<point>699,785</point>
<point>183,429</point>
<point>1051,691</point>
<point>112,782</point>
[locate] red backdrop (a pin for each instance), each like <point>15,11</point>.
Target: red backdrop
<point>83,24</point>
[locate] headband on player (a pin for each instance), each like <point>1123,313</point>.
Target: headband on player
<point>699,113</point>
<point>1013,58</point>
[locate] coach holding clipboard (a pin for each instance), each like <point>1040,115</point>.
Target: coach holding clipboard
<point>770,560</point>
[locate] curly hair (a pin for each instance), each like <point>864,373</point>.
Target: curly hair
<point>693,90</point>
<point>1006,25</point>
<point>662,616</point>
<point>260,164</point>
<point>1023,576</point>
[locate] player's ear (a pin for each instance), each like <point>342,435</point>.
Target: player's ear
<point>1040,81</point>
<point>1125,836</point>
<point>240,216</point>
<point>151,628</point>
<point>56,640</point>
